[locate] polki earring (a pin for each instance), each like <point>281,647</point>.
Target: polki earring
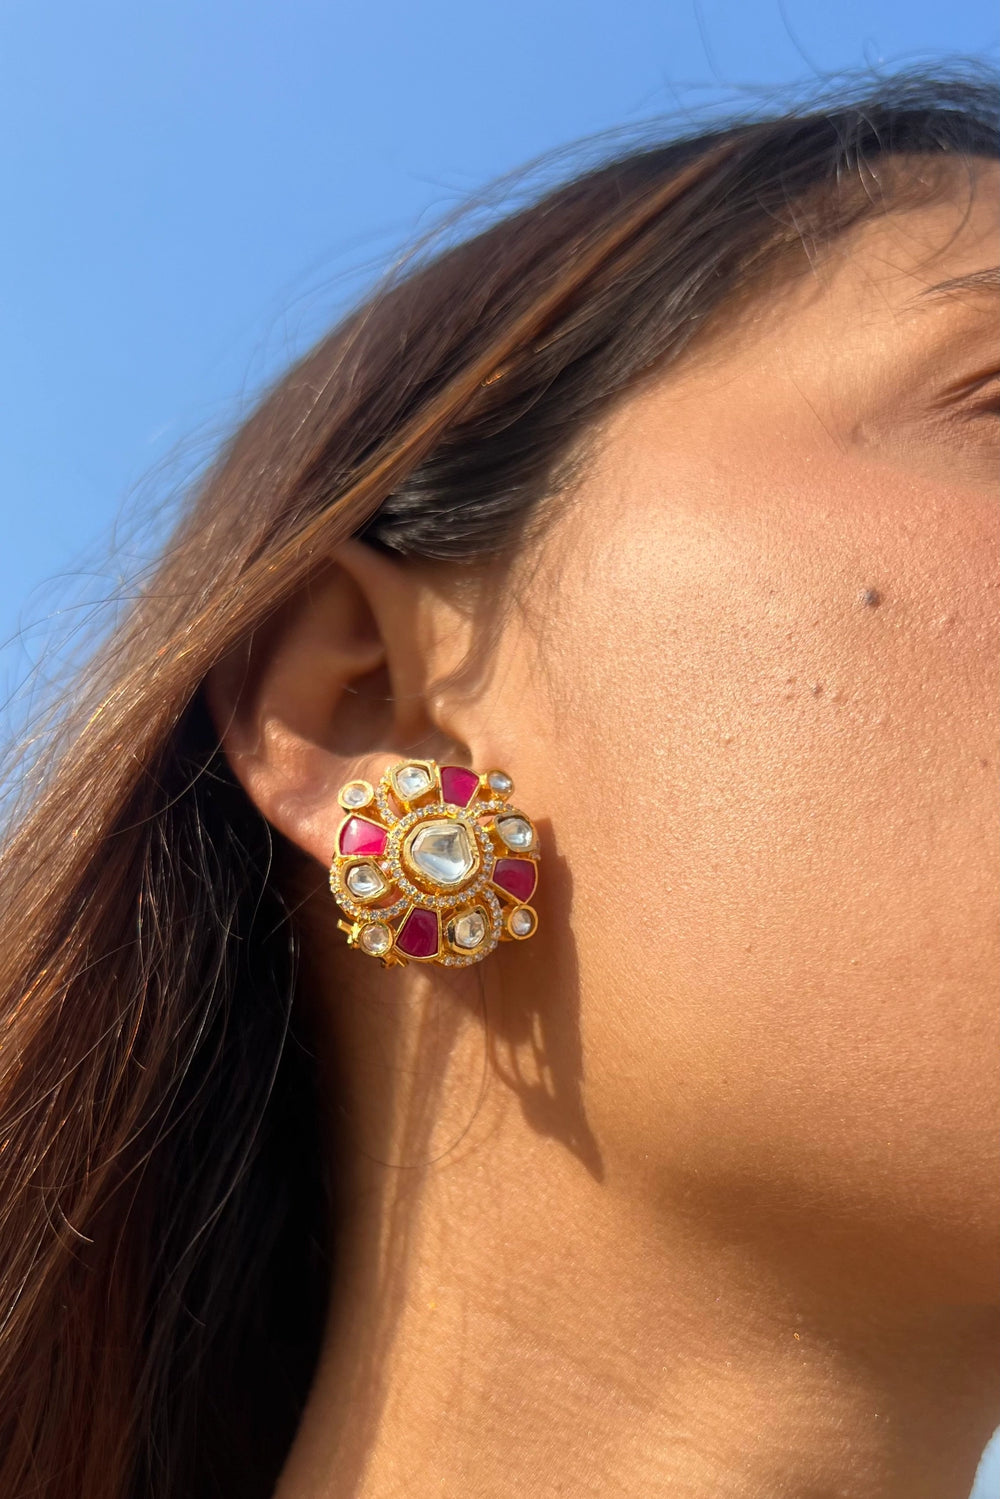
<point>434,865</point>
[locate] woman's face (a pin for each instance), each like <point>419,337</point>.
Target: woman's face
<point>751,682</point>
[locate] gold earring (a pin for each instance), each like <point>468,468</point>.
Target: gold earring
<point>433,865</point>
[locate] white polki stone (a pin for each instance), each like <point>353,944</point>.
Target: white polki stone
<point>365,881</point>
<point>355,794</point>
<point>469,930</point>
<point>442,851</point>
<point>412,780</point>
<point>376,938</point>
<point>498,780</point>
<point>516,832</point>
<point>522,922</point>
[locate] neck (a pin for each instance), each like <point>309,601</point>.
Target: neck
<point>510,1316</point>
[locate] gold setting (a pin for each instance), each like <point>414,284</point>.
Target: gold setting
<point>414,917</point>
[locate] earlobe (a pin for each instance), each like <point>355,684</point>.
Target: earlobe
<point>314,697</point>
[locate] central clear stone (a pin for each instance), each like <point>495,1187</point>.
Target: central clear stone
<point>442,851</point>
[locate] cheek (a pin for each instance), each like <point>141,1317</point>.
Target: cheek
<point>778,809</point>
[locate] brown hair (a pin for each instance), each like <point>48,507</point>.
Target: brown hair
<point>165,1249</point>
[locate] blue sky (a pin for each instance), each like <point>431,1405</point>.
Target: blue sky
<point>193,189</point>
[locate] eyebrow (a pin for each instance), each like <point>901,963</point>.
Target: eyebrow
<point>986,279</point>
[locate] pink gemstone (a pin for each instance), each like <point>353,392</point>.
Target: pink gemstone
<point>418,936</point>
<point>359,836</point>
<point>458,785</point>
<point>517,876</point>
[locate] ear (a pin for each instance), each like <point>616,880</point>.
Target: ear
<point>331,689</point>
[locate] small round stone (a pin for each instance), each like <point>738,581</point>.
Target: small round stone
<point>522,922</point>
<point>498,780</point>
<point>376,938</point>
<point>412,780</point>
<point>365,881</point>
<point>469,930</point>
<point>355,794</point>
<point>516,832</point>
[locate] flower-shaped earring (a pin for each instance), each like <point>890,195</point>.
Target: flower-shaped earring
<point>434,865</point>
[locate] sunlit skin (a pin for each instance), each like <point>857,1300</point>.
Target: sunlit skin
<point>693,1194</point>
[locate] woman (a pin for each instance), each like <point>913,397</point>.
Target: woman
<point>671,497</point>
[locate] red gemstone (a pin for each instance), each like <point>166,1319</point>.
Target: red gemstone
<point>359,836</point>
<point>517,876</point>
<point>458,785</point>
<point>418,936</point>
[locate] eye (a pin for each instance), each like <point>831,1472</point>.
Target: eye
<point>989,404</point>
<point>954,431</point>
<point>977,395</point>
<point>985,398</point>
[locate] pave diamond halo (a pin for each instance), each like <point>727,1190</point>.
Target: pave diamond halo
<point>433,864</point>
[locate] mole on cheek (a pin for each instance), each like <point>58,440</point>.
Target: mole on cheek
<point>871,597</point>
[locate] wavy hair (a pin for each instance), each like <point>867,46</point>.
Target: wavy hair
<point>167,1217</point>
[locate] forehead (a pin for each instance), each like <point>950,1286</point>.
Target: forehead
<point>945,227</point>
<point>829,340</point>
<point>905,252</point>
<point>858,311</point>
